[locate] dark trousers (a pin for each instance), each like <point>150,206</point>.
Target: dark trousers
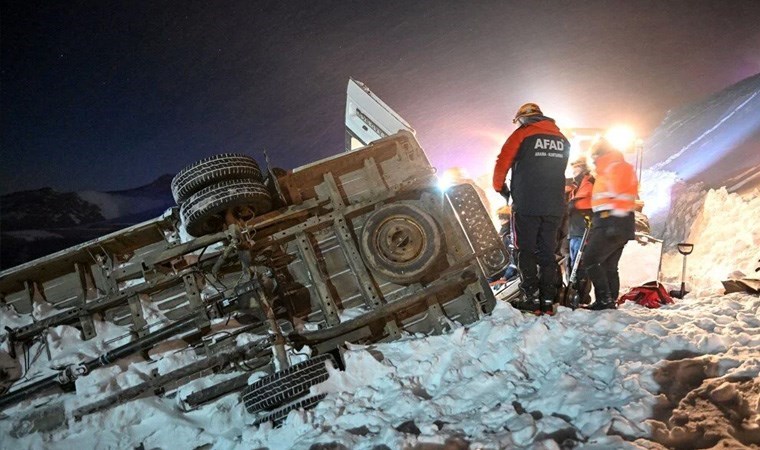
<point>600,259</point>
<point>535,239</point>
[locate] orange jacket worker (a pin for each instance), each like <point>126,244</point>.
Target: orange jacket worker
<point>613,199</point>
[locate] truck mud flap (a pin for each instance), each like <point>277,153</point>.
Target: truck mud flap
<point>482,234</point>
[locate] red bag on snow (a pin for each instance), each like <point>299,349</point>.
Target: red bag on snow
<point>652,295</point>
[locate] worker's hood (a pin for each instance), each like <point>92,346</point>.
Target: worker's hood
<point>543,122</point>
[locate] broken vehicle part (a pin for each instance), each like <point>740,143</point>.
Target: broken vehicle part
<point>361,247</point>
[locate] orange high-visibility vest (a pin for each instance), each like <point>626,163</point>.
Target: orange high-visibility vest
<point>616,187</point>
<point>582,195</point>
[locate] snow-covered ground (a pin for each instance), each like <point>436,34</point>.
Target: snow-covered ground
<point>684,376</point>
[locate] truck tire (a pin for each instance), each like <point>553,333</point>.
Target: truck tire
<point>401,243</point>
<point>279,415</point>
<point>203,212</point>
<point>285,386</point>
<point>211,170</point>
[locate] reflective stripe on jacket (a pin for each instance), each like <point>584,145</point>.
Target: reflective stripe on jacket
<point>616,187</point>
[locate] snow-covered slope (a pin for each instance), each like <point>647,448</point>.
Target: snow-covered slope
<point>712,140</point>
<point>709,144</point>
<point>34,210</point>
<point>155,196</point>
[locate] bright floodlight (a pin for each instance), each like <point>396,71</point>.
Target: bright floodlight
<point>443,183</point>
<point>621,137</point>
<point>453,176</point>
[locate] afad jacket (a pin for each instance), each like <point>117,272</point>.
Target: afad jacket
<point>614,194</point>
<point>537,154</point>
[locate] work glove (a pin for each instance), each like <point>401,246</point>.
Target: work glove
<point>505,192</point>
<point>587,220</point>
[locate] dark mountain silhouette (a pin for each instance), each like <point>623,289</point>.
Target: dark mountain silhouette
<point>46,208</point>
<point>39,222</point>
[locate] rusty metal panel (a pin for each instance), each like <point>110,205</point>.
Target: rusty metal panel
<point>409,163</point>
<point>137,315</point>
<point>122,243</point>
<point>20,300</point>
<point>66,288</point>
<point>365,184</point>
<point>321,290</point>
<point>400,157</point>
<point>86,291</point>
<point>172,298</point>
<point>370,294</point>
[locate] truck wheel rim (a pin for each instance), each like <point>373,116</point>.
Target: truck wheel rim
<point>400,240</point>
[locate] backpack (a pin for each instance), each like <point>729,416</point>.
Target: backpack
<point>651,294</point>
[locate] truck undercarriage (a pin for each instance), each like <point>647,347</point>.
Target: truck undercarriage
<point>361,247</point>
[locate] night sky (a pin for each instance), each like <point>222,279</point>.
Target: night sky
<point>110,95</point>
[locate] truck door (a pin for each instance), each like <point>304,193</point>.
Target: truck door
<point>368,118</point>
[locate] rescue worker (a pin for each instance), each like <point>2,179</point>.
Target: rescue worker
<point>612,201</point>
<point>537,154</point>
<point>579,206</point>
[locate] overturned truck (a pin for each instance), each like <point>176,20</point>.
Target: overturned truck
<point>360,247</point>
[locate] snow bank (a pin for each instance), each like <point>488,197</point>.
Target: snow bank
<point>725,231</point>
<point>656,190</point>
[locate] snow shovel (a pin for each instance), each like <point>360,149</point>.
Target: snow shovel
<point>685,249</point>
<point>575,298</point>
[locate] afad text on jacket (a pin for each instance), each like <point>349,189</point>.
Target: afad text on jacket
<point>537,153</point>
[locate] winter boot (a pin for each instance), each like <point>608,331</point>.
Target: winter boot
<point>529,301</point>
<point>598,276</point>
<point>614,282</point>
<point>602,303</point>
<point>547,307</point>
<point>584,291</point>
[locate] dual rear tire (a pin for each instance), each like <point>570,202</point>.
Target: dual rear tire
<point>211,190</point>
